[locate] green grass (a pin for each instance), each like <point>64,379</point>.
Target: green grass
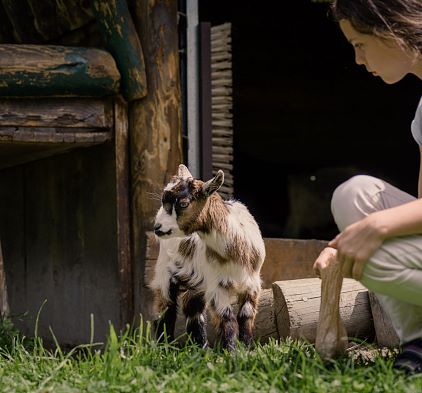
<point>132,362</point>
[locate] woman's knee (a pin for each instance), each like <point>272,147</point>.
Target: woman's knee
<point>354,199</point>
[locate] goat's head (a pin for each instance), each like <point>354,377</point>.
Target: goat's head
<point>182,202</point>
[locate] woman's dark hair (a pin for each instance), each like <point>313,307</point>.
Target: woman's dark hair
<point>401,19</point>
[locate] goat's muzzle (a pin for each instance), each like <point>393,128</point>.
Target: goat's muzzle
<point>159,232</point>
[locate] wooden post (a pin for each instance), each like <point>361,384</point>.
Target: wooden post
<point>154,127</point>
<point>4,304</point>
<point>124,256</point>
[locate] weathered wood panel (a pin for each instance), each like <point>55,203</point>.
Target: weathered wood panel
<point>42,70</point>
<point>56,112</point>
<point>289,259</point>
<point>124,256</point>
<point>122,41</point>
<point>4,302</point>
<point>60,243</point>
<point>154,125</point>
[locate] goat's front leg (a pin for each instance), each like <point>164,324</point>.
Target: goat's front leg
<point>224,319</point>
<point>331,336</point>
<point>248,305</point>
<point>193,309</point>
<point>165,304</point>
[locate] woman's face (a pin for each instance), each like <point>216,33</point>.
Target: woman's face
<point>382,57</point>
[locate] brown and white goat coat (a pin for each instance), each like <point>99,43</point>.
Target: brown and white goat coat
<point>211,250</point>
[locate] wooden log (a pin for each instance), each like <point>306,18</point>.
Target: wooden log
<point>4,303</point>
<point>122,40</point>
<point>264,328</point>
<point>385,334</point>
<point>41,70</point>
<point>57,112</point>
<point>297,305</point>
<point>155,125</point>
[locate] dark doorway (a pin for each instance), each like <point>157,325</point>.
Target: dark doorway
<point>306,117</point>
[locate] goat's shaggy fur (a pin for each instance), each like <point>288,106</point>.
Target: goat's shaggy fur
<point>210,250</point>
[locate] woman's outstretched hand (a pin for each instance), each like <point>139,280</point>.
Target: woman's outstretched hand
<point>356,244</point>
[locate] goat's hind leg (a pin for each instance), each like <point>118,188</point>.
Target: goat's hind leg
<point>224,319</point>
<point>166,306</point>
<point>248,305</point>
<point>194,310</point>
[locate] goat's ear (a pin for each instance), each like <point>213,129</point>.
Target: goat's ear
<point>214,184</point>
<point>184,172</point>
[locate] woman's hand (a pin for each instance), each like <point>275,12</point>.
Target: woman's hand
<point>325,258</point>
<point>356,244</point>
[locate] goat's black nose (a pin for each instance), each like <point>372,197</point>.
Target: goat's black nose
<point>157,228</point>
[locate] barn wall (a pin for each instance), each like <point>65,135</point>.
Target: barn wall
<point>58,232</point>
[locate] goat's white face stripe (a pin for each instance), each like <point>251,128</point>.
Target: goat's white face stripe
<point>168,222</point>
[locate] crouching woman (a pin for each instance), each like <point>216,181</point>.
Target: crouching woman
<point>380,239</point>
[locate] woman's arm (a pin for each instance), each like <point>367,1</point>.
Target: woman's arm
<point>420,175</point>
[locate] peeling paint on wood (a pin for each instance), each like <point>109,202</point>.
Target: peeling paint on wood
<point>41,70</point>
<point>122,40</point>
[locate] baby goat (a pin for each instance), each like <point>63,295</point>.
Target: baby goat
<point>211,250</point>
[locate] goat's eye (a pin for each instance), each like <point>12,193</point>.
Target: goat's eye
<point>183,204</point>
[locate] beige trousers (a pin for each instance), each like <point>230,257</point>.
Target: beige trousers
<point>394,272</point>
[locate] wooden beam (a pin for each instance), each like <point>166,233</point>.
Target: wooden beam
<point>115,22</point>
<point>4,303</point>
<point>124,257</point>
<point>154,125</point>
<point>57,112</point>
<point>41,70</point>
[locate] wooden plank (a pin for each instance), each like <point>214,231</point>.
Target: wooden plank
<point>122,40</point>
<point>205,100</point>
<point>289,259</point>
<point>124,256</point>
<point>70,245</point>
<point>42,70</point>
<point>52,135</point>
<point>56,112</point>
<point>4,302</point>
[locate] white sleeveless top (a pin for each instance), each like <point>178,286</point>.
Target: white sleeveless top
<point>416,126</point>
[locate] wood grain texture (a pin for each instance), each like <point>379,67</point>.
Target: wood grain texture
<point>297,308</point>
<point>58,231</point>
<point>124,256</point>
<point>57,112</point>
<point>120,35</point>
<point>42,70</point>
<point>154,126</point>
